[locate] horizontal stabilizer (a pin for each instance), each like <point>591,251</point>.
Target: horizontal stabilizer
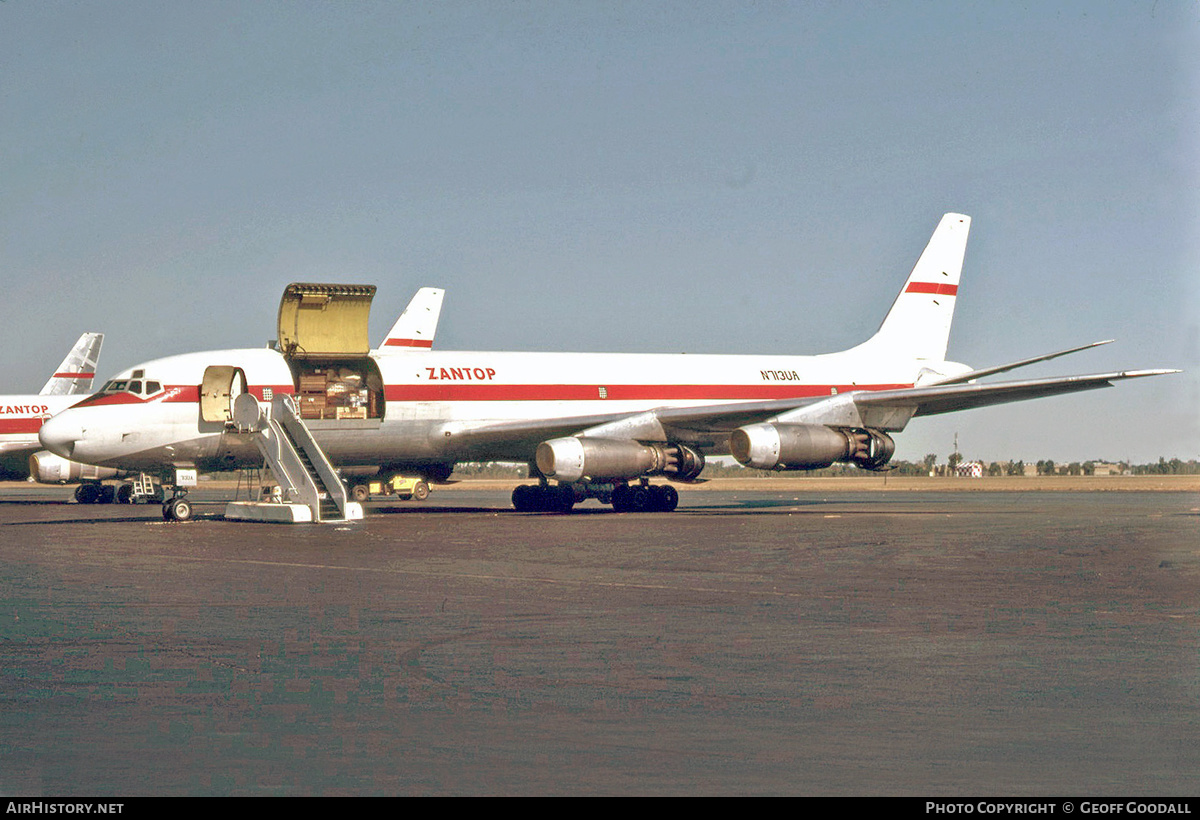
<point>963,378</point>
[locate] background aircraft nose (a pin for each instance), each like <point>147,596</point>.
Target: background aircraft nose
<point>59,434</point>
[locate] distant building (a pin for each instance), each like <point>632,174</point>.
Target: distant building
<point>972,469</point>
<point>1102,468</point>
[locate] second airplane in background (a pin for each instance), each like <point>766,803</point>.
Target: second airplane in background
<point>600,425</point>
<point>22,416</point>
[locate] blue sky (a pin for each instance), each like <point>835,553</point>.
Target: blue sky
<point>654,177</point>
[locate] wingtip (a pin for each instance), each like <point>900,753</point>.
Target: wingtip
<point>1135,374</point>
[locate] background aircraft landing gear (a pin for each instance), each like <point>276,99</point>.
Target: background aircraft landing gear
<point>141,489</point>
<point>93,492</point>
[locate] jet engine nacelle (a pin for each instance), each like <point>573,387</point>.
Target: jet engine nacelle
<point>809,446</point>
<point>572,458</point>
<point>48,468</point>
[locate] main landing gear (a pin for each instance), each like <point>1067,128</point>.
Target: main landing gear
<point>624,497</point>
<point>544,498</point>
<point>645,497</point>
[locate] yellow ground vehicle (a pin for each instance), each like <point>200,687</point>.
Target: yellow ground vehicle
<point>404,487</point>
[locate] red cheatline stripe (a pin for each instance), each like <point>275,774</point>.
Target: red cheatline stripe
<point>109,398</point>
<point>618,392</point>
<point>408,343</point>
<point>175,393</point>
<point>74,375</point>
<point>932,287</point>
<point>9,426</point>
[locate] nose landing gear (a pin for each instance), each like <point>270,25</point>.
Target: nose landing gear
<point>177,508</point>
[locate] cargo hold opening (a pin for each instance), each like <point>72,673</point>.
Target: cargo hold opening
<point>338,388</point>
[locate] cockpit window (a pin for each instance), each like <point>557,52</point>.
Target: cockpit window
<point>133,386</point>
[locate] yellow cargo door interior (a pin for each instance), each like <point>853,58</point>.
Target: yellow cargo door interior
<point>325,321</point>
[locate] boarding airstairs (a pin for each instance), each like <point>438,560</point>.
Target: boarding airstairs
<point>310,489</point>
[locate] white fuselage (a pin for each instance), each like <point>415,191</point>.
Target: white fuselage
<point>431,398</point>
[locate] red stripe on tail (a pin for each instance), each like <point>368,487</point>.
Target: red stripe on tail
<point>932,287</point>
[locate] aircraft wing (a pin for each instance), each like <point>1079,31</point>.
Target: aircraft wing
<point>709,425</point>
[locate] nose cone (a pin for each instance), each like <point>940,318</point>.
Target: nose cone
<point>60,434</point>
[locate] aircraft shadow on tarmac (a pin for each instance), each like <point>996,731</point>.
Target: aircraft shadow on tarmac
<point>731,507</point>
<point>753,506</point>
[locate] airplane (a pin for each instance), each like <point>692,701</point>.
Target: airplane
<point>600,425</point>
<point>21,417</point>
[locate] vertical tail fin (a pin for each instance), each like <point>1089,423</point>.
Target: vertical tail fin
<point>417,325</point>
<point>918,325</point>
<point>77,371</point>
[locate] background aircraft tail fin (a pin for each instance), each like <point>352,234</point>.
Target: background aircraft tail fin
<point>918,325</point>
<point>77,371</point>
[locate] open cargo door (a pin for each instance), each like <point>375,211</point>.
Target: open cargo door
<point>325,321</point>
<point>323,334</point>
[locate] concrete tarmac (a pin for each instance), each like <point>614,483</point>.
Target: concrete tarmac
<point>750,643</point>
